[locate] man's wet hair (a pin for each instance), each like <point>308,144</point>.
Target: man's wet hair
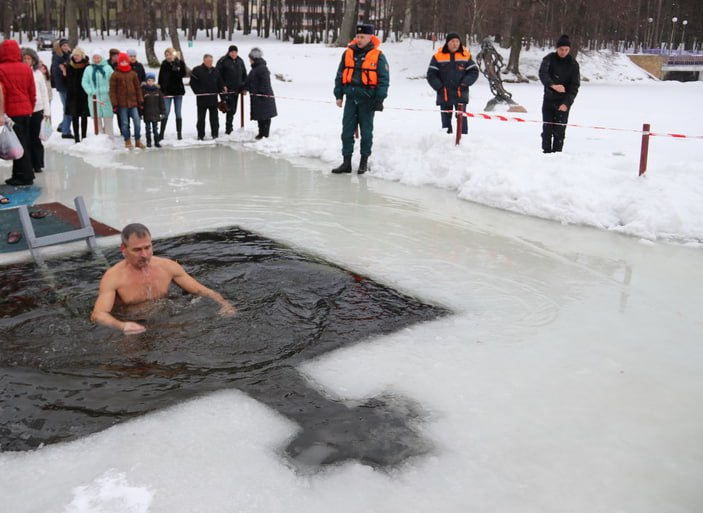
<point>137,229</point>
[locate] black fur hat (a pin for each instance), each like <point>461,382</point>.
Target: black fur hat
<point>365,28</point>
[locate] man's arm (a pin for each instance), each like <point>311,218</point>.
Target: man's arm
<point>103,306</point>
<point>193,286</point>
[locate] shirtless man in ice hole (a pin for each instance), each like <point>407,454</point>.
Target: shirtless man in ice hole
<point>143,277</point>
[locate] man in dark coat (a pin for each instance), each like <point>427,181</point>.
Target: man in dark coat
<point>560,74</point>
<point>59,61</point>
<point>363,77</point>
<point>451,72</point>
<point>258,83</point>
<point>206,83</point>
<point>234,73</point>
<point>19,97</point>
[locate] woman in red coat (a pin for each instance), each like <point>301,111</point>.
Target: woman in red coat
<point>19,96</point>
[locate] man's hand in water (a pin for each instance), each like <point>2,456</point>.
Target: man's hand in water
<point>132,328</point>
<point>227,310</point>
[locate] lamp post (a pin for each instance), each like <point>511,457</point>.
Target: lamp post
<point>683,36</point>
<point>671,36</point>
<point>650,33</point>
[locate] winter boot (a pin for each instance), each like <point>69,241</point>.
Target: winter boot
<point>162,130</point>
<point>179,126</point>
<point>345,167</point>
<point>128,144</point>
<point>363,164</point>
<point>138,143</point>
<point>157,142</point>
<point>148,140</point>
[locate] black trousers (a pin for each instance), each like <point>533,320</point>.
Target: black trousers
<point>36,147</point>
<point>447,116</point>
<point>232,100</point>
<point>77,136</point>
<point>553,134</point>
<point>214,121</point>
<point>22,171</point>
<point>264,127</point>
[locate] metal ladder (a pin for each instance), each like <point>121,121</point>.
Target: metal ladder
<point>84,232</point>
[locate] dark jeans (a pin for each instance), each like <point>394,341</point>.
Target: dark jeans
<point>22,168</point>
<point>66,122</point>
<point>36,147</point>
<point>151,127</point>
<point>447,116</point>
<point>214,121</point>
<point>357,113</point>
<point>553,134</point>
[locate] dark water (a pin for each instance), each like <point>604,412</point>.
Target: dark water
<point>61,377</point>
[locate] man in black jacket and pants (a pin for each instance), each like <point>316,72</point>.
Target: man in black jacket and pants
<point>206,83</point>
<point>560,74</point>
<point>234,73</point>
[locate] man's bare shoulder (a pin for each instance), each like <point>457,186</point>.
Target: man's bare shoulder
<point>167,264</point>
<point>113,274</point>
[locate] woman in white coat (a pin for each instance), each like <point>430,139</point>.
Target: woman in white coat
<point>42,109</point>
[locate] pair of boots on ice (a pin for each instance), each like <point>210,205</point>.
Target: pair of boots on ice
<point>179,128</point>
<point>346,165</point>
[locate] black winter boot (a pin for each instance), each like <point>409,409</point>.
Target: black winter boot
<point>363,164</point>
<point>179,126</point>
<point>162,130</point>
<point>345,167</point>
<point>148,140</point>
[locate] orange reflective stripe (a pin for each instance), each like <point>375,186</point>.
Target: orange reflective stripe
<point>369,67</point>
<point>442,57</point>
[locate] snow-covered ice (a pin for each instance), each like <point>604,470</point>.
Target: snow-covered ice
<point>568,378</point>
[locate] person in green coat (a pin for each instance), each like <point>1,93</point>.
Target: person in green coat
<point>362,77</point>
<point>96,81</point>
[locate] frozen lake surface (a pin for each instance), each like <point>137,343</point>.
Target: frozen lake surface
<point>568,378</point>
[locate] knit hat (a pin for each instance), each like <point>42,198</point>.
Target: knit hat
<point>233,48</point>
<point>132,52</point>
<point>123,62</point>
<point>365,28</point>
<point>63,41</point>
<point>98,52</point>
<point>114,51</point>
<point>150,76</point>
<point>453,35</point>
<point>563,41</point>
<point>255,53</point>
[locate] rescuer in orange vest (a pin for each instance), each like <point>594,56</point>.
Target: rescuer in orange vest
<point>451,72</point>
<point>362,77</point>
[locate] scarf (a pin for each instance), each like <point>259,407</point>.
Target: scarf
<point>97,68</point>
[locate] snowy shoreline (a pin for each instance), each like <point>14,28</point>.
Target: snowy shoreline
<point>593,183</point>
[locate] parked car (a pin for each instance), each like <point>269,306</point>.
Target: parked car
<point>45,40</point>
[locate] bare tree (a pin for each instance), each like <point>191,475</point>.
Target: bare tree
<point>348,23</point>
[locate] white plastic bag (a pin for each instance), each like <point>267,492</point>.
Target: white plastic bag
<point>10,146</point>
<point>46,130</point>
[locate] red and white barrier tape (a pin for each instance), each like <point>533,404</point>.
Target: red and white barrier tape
<point>478,115</point>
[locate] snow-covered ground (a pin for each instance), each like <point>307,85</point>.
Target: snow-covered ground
<point>594,182</point>
<point>568,379</point>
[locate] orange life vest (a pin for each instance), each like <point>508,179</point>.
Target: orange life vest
<point>369,66</point>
